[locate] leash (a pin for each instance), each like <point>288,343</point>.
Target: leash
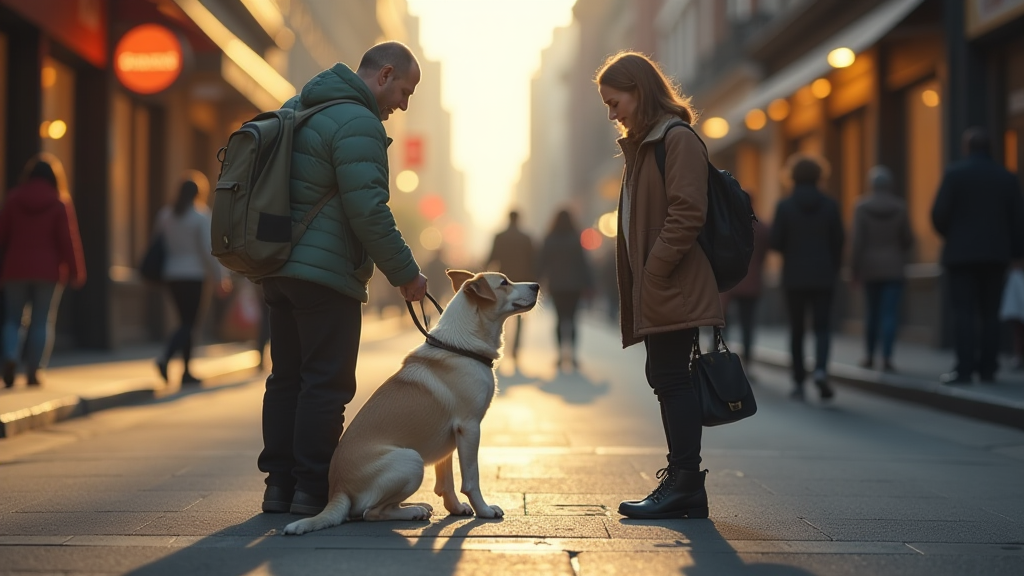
<point>433,341</point>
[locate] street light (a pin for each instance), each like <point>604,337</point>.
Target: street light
<point>755,119</point>
<point>715,127</point>
<point>841,57</point>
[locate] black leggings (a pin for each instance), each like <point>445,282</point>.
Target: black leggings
<point>566,303</point>
<point>668,373</point>
<point>187,295</point>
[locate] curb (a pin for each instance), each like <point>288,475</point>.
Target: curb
<point>963,401</point>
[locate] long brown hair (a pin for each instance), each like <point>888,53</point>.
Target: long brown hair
<point>656,94</point>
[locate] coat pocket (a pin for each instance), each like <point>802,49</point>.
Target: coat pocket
<point>662,302</point>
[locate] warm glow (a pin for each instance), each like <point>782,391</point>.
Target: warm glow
<point>821,88</point>
<point>930,98</point>
<point>431,238</point>
<point>432,206</point>
<point>591,239</point>
<point>755,119</point>
<point>778,110</point>
<point>715,127</point>
<point>48,77</point>
<point>608,224</point>
<point>407,181</point>
<point>57,129</point>
<point>841,57</point>
<point>269,17</point>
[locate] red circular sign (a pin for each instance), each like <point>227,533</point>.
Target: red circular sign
<point>148,59</point>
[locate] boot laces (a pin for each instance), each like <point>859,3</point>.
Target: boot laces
<point>665,475</point>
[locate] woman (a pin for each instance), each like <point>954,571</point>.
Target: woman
<point>185,228</point>
<point>666,286</point>
<point>881,242</point>
<point>41,252</point>
<point>564,267</point>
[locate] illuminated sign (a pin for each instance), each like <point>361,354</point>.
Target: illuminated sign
<point>148,59</point>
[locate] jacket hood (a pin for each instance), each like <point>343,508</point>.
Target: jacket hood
<point>807,197</point>
<point>338,81</point>
<point>34,196</point>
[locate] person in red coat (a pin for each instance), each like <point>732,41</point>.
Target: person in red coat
<point>41,252</point>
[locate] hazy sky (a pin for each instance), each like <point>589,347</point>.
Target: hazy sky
<point>489,50</point>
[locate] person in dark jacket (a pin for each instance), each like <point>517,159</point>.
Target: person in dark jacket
<point>315,298</point>
<point>979,212</point>
<point>748,292</point>
<point>563,266</point>
<point>808,231</point>
<point>881,243</point>
<point>512,254</point>
<point>41,252</point>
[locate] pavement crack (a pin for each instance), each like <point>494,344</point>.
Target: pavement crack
<point>914,549</point>
<point>808,522</point>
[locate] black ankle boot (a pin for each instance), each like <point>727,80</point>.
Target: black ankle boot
<point>681,494</point>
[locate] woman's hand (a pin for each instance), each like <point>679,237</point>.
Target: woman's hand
<point>224,287</point>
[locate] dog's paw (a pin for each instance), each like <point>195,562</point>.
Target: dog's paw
<point>420,512</point>
<point>490,512</point>
<point>461,509</point>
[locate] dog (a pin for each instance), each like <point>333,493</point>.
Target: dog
<point>428,409</point>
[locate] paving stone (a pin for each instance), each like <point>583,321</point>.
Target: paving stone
<point>920,530</point>
<point>142,501</point>
<point>74,523</point>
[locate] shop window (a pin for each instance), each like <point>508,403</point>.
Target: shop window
<point>1011,151</point>
<point>924,164</point>
<point>57,128</point>
<point>129,185</point>
<point>852,164</point>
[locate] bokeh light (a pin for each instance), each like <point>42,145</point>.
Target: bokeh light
<point>407,181</point>
<point>778,110</point>
<point>591,239</point>
<point>930,98</point>
<point>608,224</point>
<point>431,238</point>
<point>715,127</point>
<point>755,119</point>
<point>821,88</point>
<point>841,57</point>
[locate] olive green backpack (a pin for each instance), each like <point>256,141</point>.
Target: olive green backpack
<point>252,232</point>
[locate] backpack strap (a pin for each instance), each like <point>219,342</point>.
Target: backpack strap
<point>299,228</point>
<point>659,146</point>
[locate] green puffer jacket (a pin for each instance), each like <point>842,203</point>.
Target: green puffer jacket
<point>345,146</point>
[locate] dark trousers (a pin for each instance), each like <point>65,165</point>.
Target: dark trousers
<point>819,300</point>
<point>566,304</point>
<point>882,300</point>
<point>746,306</point>
<point>314,341</point>
<point>976,291</point>
<point>668,373</point>
<point>187,295</point>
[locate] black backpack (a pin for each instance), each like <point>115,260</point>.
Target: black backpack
<point>727,237</point>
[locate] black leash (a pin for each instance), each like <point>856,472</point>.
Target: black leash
<point>433,341</point>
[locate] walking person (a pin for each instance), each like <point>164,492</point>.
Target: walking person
<point>512,254</point>
<point>315,298</point>
<point>1011,311</point>
<point>747,293</point>
<point>563,265</point>
<point>979,213</point>
<point>880,249</point>
<point>808,232</point>
<point>185,229</point>
<point>666,286</point>
<point>41,252</point>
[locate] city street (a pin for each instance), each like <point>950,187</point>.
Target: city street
<point>866,485</point>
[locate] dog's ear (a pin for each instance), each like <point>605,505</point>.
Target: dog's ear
<point>458,278</point>
<point>479,289</point>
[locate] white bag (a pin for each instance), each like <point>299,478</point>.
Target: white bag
<point>1012,307</point>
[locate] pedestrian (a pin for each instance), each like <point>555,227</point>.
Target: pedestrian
<point>979,213</point>
<point>1012,311</point>
<point>747,293</point>
<point>315,298</point>
<point>41,253</point>
<point>808,232</point>
<point>881,241</point>
<point>185,229</point>
<point>436,269</point>
<point>512,254</point>
<point>666,286</point>
<point>563,266</point>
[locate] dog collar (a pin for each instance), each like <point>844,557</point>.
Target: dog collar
<point>433,341</point>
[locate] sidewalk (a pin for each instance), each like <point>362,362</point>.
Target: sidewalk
<point>81,382</point>
<point>916,380</point>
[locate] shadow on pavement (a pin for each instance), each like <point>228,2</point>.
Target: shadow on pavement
<point>574,387</point>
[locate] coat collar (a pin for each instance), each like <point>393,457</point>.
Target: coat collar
<point>656,133</point>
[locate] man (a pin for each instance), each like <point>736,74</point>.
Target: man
<point>808,231</point>
<point>512,255</point>
<point>980,214</point>
<point>314,299</point>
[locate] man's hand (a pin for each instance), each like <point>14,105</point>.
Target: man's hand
<point>415,290</point>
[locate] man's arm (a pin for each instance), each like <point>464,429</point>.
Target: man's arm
<point>942,210</point>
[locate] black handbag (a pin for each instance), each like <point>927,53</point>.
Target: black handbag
<point>152,266</point>
<point>722,387</point>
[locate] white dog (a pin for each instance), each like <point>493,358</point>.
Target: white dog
<point>432,406</point>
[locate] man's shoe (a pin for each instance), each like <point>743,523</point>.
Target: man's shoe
<point>681,494</point>
<point>33,378</point>
<point>797,393</point>
<point>161,367</point>
<point>954,377</point>
<point>307,505</point>
<point>821,381</point>
<point>277,499</point>
<point>9,368</point>
<point>987,378</point>
<point>867,363</point>
<point>190,380</point>
<point>887,366</point>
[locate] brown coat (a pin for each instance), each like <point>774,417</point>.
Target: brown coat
<point>665,280</point>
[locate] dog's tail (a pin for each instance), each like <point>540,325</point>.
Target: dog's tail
<point>334,514</point>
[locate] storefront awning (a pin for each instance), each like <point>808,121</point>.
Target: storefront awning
<point>859,36</point>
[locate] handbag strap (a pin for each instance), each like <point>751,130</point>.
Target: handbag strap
<point>718,343</point>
